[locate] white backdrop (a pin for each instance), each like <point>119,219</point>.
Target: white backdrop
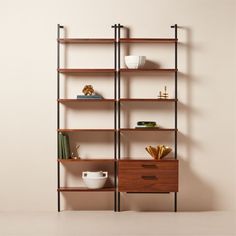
<point>206,94</point>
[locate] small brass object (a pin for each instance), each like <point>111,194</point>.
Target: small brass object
<point>88,90</point>
<point>77,150</point>
<point>163,95</point>
<point>159,152</point>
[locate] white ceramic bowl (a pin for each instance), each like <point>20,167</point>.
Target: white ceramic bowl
<point>93,174</point>
<point>94,182</point>
<point>135,62</point>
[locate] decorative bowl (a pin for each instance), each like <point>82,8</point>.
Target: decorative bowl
<point>94,180</point>
<point>93,174</point>
<point>135,62</point>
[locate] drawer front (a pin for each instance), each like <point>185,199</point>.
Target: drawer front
<point>141,176</point>
<point>149,165</point>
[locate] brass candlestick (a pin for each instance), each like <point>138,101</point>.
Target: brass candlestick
<point>163,95</point>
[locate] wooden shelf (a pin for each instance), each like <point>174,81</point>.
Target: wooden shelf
<point>85,160</point>
<point>86,130</point>
<point>147,100</point>
<point>84,189</point>
<point>122,100</point>
<point>148,70</point>
<point>87,40</point>
<point>108,70</point>
<point>85,100</point>
<point>147,160</point>
<point>87,70</point>
<point>148,40</point>
<point>112,40</point>
<point>146,129</point>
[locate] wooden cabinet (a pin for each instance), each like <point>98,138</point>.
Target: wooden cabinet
<point>148,176</point>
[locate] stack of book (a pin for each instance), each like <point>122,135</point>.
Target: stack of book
<point>146,124</point>
<point>64,146</point>
<point>95,96</point>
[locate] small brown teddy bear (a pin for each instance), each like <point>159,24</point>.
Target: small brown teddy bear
<point>88,90</point>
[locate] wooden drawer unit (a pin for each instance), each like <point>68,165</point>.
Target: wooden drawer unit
<point>148,176</point>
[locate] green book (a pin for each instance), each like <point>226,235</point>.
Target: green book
<point>66,146</point>
<point>60,137</point>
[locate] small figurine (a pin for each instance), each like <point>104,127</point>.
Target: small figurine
<point>77,150</point>
<point>163,95</point>
<point>74,157</point>
<point>88,90</point>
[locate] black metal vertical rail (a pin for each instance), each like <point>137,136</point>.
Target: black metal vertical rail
<point>115,116</point>
<point>176,102</point>
<point>58,116</point>
<point>118,78</point>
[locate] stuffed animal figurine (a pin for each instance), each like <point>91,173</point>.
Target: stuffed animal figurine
<point>88,90</point>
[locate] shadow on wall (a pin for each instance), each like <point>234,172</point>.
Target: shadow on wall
<point>86,200</point>
<point>194,193</point>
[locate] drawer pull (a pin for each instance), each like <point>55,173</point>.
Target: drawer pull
<point>149,166</point>
<point>149,177</point>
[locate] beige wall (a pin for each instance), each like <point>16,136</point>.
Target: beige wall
<point>206,94</point>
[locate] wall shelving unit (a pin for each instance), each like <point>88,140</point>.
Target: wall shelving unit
<point>130,176</point>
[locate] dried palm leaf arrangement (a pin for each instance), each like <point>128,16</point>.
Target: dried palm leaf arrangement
<point>159,152</point>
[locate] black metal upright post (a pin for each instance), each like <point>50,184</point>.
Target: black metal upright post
<point>58,116</point>
<point>118,78</point>
<point>115,116</point>
<point>176,102</point>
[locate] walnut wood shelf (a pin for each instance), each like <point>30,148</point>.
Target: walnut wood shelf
<point>87,40</point>
<point>148,70</point>
<point>87,70</point>
<point>148,40</point>
<point>111,40</point>
<point>108,70</point>
<point>146,129</point>
<point>84,189</point>
<point>85,100</point>
<point>85,160</point>
<point>86,130</point>
<point>147,100</point>
<point>147,160</point>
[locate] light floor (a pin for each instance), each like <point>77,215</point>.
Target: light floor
<point>124,223</point>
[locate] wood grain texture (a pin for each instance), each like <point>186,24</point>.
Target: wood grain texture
<point>151,176</point>
<point>86,70</point>
<point>145,129</point>
<point>86,40</point>
<point>147,100</point>
<point>84,189</point>
<point>86,130</point>
<point>85,160</point>
<point>148,70</point>
<point>68,100</point>
<point>148,40</point>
